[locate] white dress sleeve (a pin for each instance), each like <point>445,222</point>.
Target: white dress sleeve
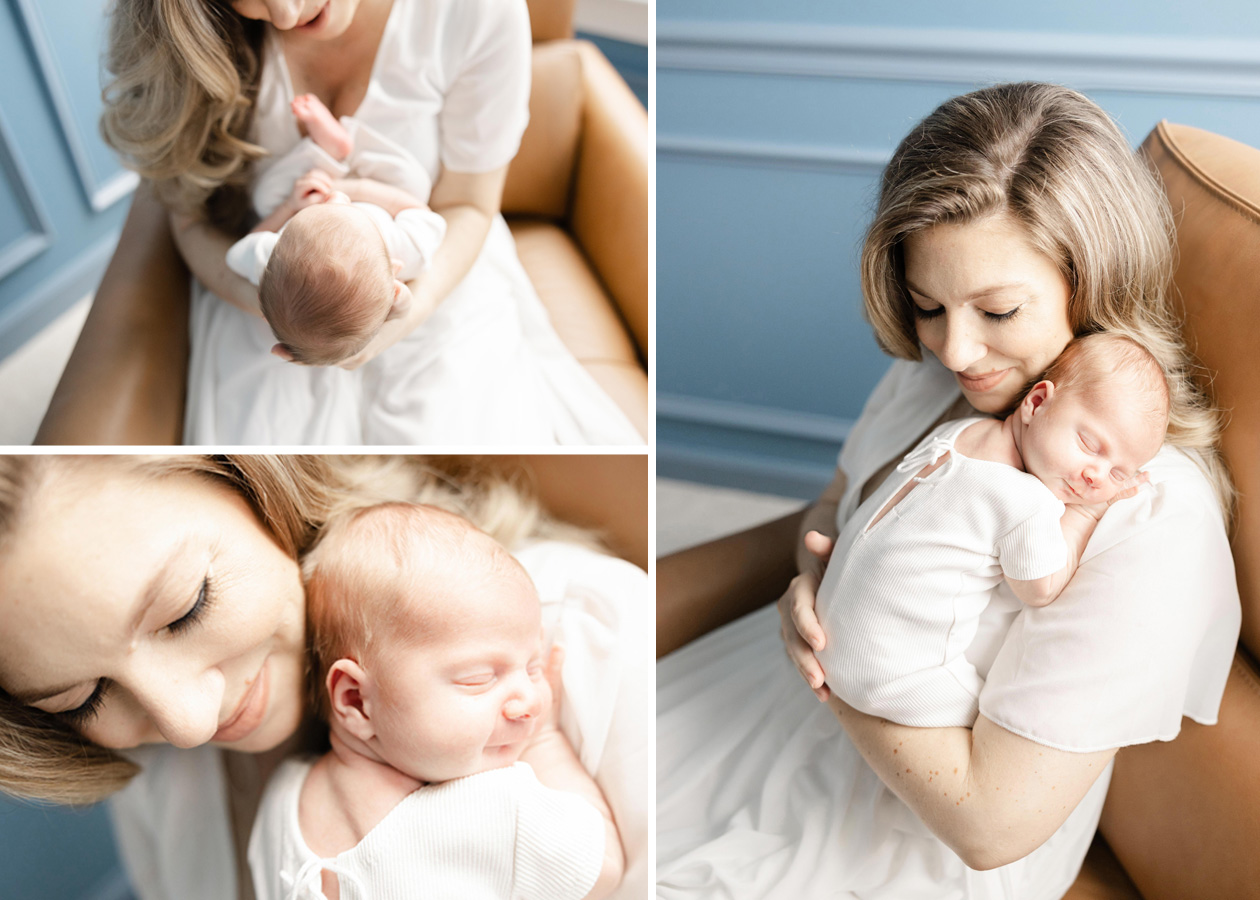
<point>249,256</point>
<point>1143,634</point>
<point>1035,547</point>
<point>486,105</point>
<point>172,828</point>
<point>559,843</point>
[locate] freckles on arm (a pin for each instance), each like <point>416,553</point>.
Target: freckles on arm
<point>993,797</point>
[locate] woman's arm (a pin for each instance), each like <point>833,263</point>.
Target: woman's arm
<point>993,797</point>
<point>204,249</point>
<point>468,203</point>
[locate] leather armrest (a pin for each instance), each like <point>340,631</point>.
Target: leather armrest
<point>610,202</point>
<point>125,381</point>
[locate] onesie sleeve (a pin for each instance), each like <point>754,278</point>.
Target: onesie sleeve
<point>486,104</point>
<point>249,256</point>
<point>423,230</point>
<point>1035,547</point>
<point>1143,634</point>
<point>559,844</point>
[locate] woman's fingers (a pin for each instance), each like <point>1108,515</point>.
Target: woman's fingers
<point>795,608</point>
<point>819,544</point>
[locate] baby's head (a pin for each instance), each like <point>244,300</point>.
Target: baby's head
<point>427,641</point>
<point>329,285</point>
<point>1099,414</point>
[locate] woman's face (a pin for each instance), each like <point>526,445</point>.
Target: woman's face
<point>145,609</point>
<point>990,307</point>
<point>319,19</point>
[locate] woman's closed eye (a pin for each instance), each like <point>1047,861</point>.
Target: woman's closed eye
<point>198,609</point>
<point>87,710</point>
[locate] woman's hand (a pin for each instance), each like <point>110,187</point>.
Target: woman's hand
<point>799,626</point>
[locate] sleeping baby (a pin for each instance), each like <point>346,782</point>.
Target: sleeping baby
<point>978,501</point>
<point>344,225</point>
<point>446,769</point>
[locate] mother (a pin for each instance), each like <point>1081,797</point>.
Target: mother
<point>150,604</point>
<point>1009,220</point>
<point>200,99</point>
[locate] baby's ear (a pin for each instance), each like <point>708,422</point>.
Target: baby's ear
<point>396,264</point>
<point>348,686</point>
<point>402,301</point>
<point>282,351</point>
<point>1034,400</point>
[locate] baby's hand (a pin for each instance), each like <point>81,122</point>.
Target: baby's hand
<point>1128,489</point>
<point>316,186</point>
<point>550,720</point>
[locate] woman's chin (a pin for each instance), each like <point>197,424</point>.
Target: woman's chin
<point>992,403</point>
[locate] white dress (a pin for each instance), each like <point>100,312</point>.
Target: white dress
<point>411,237</point>
<point>761,795</point>
<point>450,82</point>
<point>171,821</point>
<point>491,836</point>
<point>901,600</point>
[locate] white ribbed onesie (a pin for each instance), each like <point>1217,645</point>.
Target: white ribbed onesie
<point>901,599</point>
<point>496,835</point>
<point>411,237</point>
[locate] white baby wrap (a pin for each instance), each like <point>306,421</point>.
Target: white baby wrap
<point>901,599</point>
<point>489,836</point>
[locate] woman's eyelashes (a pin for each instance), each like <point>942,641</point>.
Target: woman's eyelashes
<point>936,311</point>
<point>196,611</point>
<point>86,711</point>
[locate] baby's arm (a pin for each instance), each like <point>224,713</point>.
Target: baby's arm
<point>1078,525</point>
<point>389,198</point>
<point>557,766</point>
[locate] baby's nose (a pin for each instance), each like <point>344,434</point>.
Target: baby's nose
<point>519,709</point>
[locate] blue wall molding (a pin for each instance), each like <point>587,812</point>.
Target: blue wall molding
<point>100,196</point>
<point>845,160</point>
<point>1091,62</point>
<point>796,455</point>
<point>56,294</point>
<point>39,236</point>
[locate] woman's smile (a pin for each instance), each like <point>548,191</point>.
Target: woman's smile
<point>249,712</point>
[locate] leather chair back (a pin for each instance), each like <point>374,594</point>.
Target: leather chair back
<point>1183,817</point>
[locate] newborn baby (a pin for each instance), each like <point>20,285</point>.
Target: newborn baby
<point>332,252</point>
<point>446,769</point>
<point>979,500</point>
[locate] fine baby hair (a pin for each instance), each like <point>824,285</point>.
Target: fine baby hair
<point>329,286</point>
<point>1095,363</point>
<point>373,570</point>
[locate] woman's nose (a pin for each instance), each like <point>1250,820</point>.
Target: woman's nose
<point>184,708</point>
<point>960,348</point>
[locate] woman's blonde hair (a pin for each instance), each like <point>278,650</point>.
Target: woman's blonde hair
<point>1051,159</point>
<point>181,102</point>
<point>42,758</point>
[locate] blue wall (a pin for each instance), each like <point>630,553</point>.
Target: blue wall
<point>62,194</point>
<point>773,122</point>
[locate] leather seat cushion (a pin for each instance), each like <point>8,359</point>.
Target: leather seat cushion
<point>1101,877</point>
<point>540,178</point>
<point>582,314</point>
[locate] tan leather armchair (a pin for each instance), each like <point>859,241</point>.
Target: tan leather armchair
<point>576,199</point>
<point>1182,819</point>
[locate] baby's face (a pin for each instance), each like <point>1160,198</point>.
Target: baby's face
<point>1084,445</point>
<point>468,696</point>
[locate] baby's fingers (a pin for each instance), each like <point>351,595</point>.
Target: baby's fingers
<point>1130,487</point>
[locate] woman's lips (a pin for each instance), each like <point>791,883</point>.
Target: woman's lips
<point>249,714</point>
<point>981,383</point>
<point>313,20</point>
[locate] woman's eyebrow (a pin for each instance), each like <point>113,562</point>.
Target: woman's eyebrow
<point>161,582</point>
<point>981,294</point>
